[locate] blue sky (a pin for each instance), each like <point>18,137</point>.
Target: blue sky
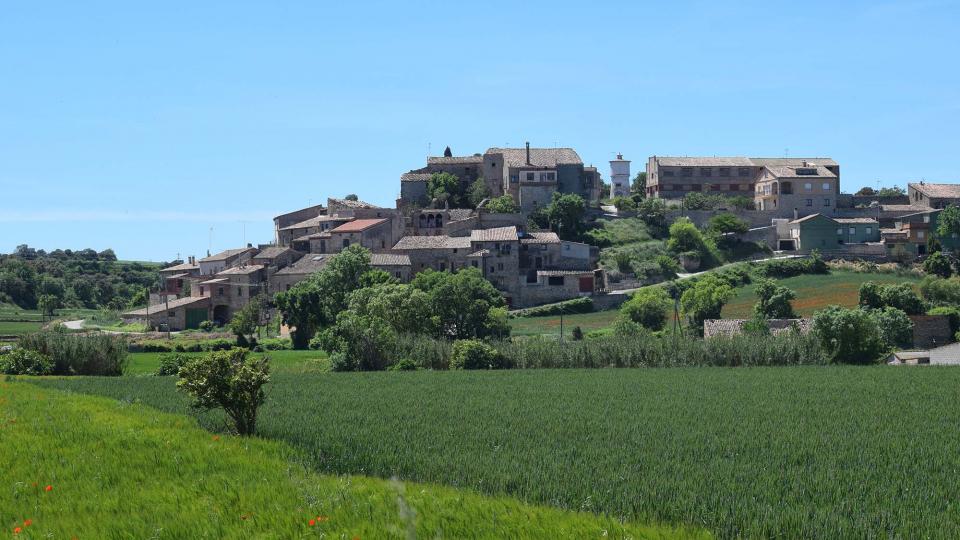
<point>140,127</point>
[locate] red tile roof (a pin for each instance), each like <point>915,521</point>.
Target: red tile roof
<point>358,225</point>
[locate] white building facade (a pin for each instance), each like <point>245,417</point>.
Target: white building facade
<point>619,177</point>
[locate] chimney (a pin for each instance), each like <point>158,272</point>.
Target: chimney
<point>528,152</point>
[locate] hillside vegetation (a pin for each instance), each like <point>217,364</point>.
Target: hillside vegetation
<point>83,467</point>
<point>758,452</point>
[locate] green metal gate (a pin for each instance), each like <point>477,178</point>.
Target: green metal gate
<point>195,317</point>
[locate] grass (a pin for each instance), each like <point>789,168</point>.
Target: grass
<point>18,328</point>
<point>550,325</point>
<point>146,363</point>
<point>814,291</point>
<point>750,452</point>
<point>127,471</point>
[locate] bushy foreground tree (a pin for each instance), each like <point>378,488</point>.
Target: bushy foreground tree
<point>228,380</point>
<point>773,301</point>
<point>648,307</point>
<point>704,300</point>
<point>850,335</point>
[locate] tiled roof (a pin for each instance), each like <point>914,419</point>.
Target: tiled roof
<point>691,161</point>
<point>496,234</point>
<point>549,273</point>
<point>316,221</point>
<point>241,270</point>
<point>183,267</point>
<point>358,225</point>
<point>443,160</point>
<point>415,177</point>
<point>856,220</point>
<point>389,259</point>
<point>911,208</point>
<point>739,161</point>
<point>938,191</point>
<point>317,208</point>
<point>540,238</point>
<point>791,172</point>
<point>271,253</point>
<point>224,255</point>
<point>308,264</point>
<point>350,204</point>
<point>173,304</point>
<point>807,218</point>
<point>539,157</point>
<point>433,242</point>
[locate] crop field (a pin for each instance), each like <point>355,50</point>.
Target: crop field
<point>747,452</point>
<point>814,292</point>
<point>550,325</point>
<point>81,467</point>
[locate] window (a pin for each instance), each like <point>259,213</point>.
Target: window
<point>500,266</point>
<point>869,230</point>
<point>492,270</point>
<point>826,186</point>
<point>806,172</point>
<point>288,286</point>
<point>686,171</point>
<point>826,202</point>
<point>551,177</point>
<point>219,291</point>
<point>171,314</point>
<point>706,171</point>
<point>346,243</point>
<point>397,274</point>
<point>514,178</point>
<point>529,177</point>
<point>853,231</point>
<point>239,291</point>
<point>474,263</point>
<point>840,231</point>
<point>808,186</point>
<point>743,172</point>
<point>383,244</point>
<point>809,202</point>
<point>926,218</point>
<point>724,171</point>
<point>201,291</point>
<point>920,235</point>
<point>555,280</point>
<point>668,173</point>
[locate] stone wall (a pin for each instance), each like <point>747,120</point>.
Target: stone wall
<point>931,330</point>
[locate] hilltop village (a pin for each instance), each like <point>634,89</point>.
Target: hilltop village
<point>488,211</point>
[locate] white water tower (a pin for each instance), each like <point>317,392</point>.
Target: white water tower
<point>619,177</point>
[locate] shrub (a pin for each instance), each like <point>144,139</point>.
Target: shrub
<point>577,305</point>
<point>648,307</point>
<point>207,326</point>
<point>170,364</point>
<point>227,380</point>
<point>849,336</point>
<point>276,344</point>
<point>577,333</point>
<point>474,354</point>
<point>404,365</point>
<point>784,268</point>
<point>705,300</point>
<point>25,362</point>
<point>80,354</point>
<point>941,291</point>
<point>938,264</point>
<point>900,296</point>
<point>669,267</point>
<point>773,301</point>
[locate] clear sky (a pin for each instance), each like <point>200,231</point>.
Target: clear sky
<point>140,127</point>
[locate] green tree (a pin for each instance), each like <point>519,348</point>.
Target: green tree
<point>443,187</point>
<point>351,197</point>
<point>939,291</point>
<point>474,354</point>
<point>773,301</point>
<point>938,264</point>
<point>895,327</point>
<point>358,342</point>
<point>866,191</point>
<point>639,185</point>
<point>502,205</point>
<point>48,304</point>
<point>704,300</point>
<point>247,319</point>
<point>479,190</point>
<point>464,305</point>
<point>895,191</point>
<point>850,336</point>
<point>900,296</point>
<point>566,213</point>
<point>948,222</point>
<point>141,297</point>
<point>227,380</point>
<point>648,307</point>
<point>316,301</point>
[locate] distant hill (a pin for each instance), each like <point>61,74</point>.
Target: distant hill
<point>74,279</point>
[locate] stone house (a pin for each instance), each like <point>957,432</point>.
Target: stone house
<point>395,264</point>
<point>283,279</point>
<point>174,280</point>
<point>911,234</point>
<point>225,259</point>
<point>435,252</point>
<point>673,177</point>
<point>824,233</point>
<point>172,315</point>
<point>284,221</point>
<point>377,235</point>
<point>933,195</point>
<point>298,235</point>
<point>801,189</point>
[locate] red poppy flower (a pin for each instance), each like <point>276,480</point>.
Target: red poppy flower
<point>312,522</point>
<point>322,518</point>
<point>48,488</point>
<point>28,523</point>
<point>216,437</point>
<point>16,530</point>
